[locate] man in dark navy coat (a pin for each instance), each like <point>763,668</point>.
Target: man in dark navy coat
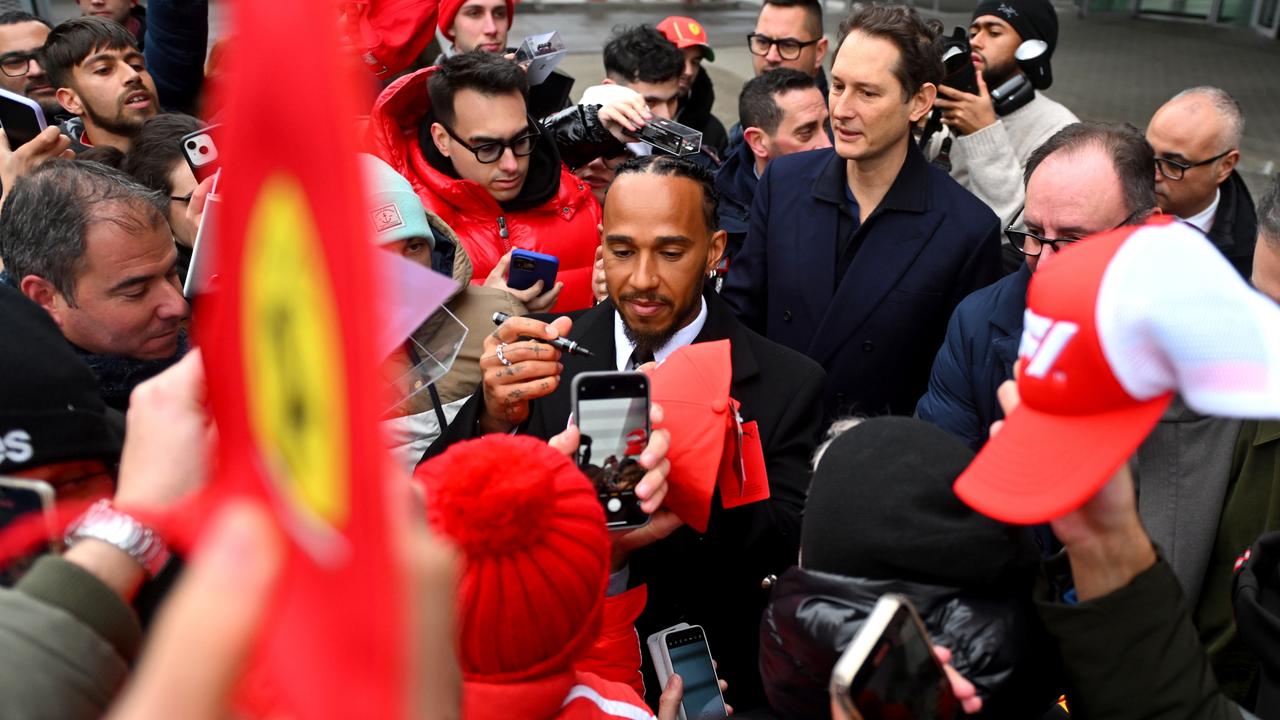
<point>857,256</point>
<point>660,243</point>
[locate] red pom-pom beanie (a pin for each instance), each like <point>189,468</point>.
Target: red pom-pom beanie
<point>537,554</point>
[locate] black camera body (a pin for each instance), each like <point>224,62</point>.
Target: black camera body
<point>957,62</point>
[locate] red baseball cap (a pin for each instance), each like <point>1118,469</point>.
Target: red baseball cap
<point>449,12</point>
<point>686,32</point>
<point>1114,326</point>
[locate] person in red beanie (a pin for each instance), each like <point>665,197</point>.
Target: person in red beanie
<point>476,24</point>
<point>533,617</point>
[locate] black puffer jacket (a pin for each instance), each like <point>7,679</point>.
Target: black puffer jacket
<point>996,643</point>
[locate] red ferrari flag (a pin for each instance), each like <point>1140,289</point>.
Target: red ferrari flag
<point>289,336</point>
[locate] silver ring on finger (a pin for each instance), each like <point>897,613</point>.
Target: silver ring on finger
<point>502,357</point>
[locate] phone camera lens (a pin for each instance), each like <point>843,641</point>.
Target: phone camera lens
<point>204,149</point>
<point>191,144</point>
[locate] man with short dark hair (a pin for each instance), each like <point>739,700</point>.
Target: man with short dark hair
<point>697,95</point>
<point>22,35</point>
<point>101,77</point>
<point>641,58</point>
<point>92,248</point>
<point>782,112</point>
<point>988,145</point>
<point>857,256</point>
<point>1196,136</point>
<point>788,34</point>
<point>461,134</point>
<point>660,243</point>
<point>157,161</point>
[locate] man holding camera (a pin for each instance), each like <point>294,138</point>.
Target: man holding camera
<point>988,141</point>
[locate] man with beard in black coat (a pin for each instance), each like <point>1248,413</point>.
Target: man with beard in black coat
<point>660,244</point>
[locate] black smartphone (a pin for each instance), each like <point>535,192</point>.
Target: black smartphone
<point>611,410</point>
<point>690,658</point>
<point>201,151</point>
<point>20,498</point>
<point>21,118</point>
<point>889,669</point>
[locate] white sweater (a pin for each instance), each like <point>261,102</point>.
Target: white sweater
<point>989,163</point>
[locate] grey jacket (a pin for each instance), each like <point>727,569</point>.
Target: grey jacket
<point>1191,455</point>
<point>66,644</point>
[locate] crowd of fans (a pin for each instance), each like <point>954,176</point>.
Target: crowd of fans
<point>863,234</point>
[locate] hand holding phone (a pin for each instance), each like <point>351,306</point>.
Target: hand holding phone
<point>528,267</point>
<point>611,410</point>
<point>21,118</point>
<point>890,670</point>
<point>200,148</point>
<point>683,650</point>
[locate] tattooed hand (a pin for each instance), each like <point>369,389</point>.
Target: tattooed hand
<point>533,372</point>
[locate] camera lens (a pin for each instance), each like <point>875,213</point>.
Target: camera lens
<point>191,144</point>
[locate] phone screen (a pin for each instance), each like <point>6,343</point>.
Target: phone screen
<point>612,414</point>
<point>691,660</point>
<point>901,678</point>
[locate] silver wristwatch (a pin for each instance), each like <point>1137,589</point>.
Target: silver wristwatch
<point>103,522</point>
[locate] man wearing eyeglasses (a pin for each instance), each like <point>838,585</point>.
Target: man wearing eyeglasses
<point>1087,178</point>
<point>461,134</point>
<point>21,37</point>
<point>1196,137</point>
<point>789,34</point>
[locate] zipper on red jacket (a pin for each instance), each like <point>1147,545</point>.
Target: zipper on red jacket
<point>502,233</point>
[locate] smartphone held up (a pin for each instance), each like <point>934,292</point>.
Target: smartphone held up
<point>611,410</point>
<point>890,671</point>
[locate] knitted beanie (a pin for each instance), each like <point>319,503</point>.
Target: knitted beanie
<point>395,210</point>
<point>50,407</point>
<point>1033,19</point>
<point>880,506</point>
<point>537,554</point>
<point>449,10</point>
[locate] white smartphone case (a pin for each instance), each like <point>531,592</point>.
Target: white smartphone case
<point>658,653</point>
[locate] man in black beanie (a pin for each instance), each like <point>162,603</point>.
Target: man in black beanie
<point>881,517</point>
<point>988,144</point>
<point>54,425</point>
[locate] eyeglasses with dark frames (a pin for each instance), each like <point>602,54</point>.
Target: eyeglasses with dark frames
<point>1174,170</point>
<point>489,152</point>
<point>1031,244</point>
<point>788,48</point>
<point>182,198</point>
<point>17,64</point>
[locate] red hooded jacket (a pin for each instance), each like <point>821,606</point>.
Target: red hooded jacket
<point>564,226</point>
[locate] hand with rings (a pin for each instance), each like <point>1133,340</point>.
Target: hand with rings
<point>516,371</point>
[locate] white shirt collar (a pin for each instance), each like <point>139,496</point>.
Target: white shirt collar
<point>623,347</point>
<point>1204,218</point>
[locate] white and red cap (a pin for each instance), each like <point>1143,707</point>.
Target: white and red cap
<point>1114,326</point>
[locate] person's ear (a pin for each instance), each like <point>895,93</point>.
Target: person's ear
<point>608,81</point>
<point>922,101</point>
<point>69,99</point>
<point>758,141</point>
<point>43,293</point>
<point>719,239</point>
<point>1226,165</point>
<point>440,137</point>
<point>821,54</point>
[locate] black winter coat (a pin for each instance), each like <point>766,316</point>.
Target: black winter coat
<point>996,641</point>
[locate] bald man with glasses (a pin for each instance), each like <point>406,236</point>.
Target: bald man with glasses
<point>1196,138</point>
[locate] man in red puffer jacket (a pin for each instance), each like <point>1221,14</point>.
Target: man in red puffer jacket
<point>461,134</point>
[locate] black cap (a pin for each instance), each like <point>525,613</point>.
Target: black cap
<point>881,506</point>
<point>50,408</point>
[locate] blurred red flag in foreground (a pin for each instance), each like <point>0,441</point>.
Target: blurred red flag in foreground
<point>288,337</point>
